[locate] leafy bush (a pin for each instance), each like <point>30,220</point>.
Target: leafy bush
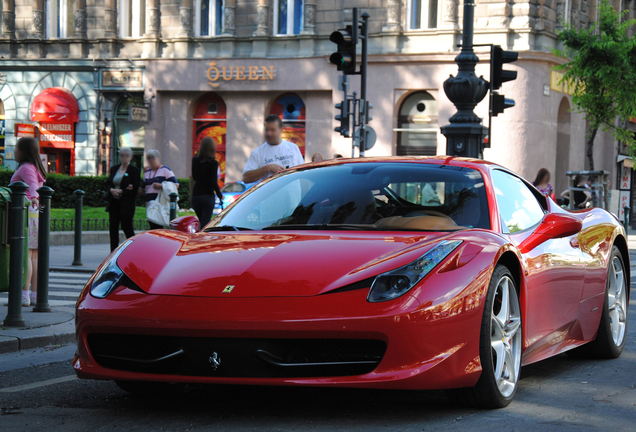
<point>93,187</point>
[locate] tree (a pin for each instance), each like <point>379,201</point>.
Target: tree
<point>602,70</point>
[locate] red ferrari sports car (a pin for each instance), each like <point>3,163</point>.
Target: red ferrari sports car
<point>402,273</point>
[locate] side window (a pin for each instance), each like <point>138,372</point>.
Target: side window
<point>518,207</point>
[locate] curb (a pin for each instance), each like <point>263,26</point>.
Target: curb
<point>56,335</point>
<point>72,269</point>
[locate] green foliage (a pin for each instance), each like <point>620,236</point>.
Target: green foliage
<point>93,187</point>
<point>602,70</point>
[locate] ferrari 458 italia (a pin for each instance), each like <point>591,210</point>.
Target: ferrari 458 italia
<point>395,273</point>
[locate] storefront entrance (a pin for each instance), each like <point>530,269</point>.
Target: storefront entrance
<point>57,111</point>
<point>129,133</point>
<point>209,119</point>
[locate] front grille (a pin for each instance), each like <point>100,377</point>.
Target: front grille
<point>248,358</point>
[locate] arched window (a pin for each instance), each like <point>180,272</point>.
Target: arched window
<point>210,120</point>
<point>209,17</point>
<point>422,14</point>
<point>129,133</point>
<point>291,108</point>
<point>132,18</point>
<point>288,17</point>
<point>59,18</point>
<point>417,125</point>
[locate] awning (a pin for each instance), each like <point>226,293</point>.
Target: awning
<point>55,104</point>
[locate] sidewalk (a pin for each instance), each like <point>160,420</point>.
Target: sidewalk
<point>56,327</point>
<point>42,329</point>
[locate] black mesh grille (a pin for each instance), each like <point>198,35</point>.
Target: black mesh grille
<point>264,358</point>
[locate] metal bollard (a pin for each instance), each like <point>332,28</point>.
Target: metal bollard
<point>79,203</point>
<point>42,303</point>
<point>16,259</point>
<point>173,206</point>
<point>626,210</point>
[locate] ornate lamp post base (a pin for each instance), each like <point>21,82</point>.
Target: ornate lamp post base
<point>465,134</point>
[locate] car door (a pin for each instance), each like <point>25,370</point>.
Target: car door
<point>554,270</point>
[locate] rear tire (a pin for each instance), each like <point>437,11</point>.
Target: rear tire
<point>610,337</point>
<point>148,388</point>
<point>499,347</point>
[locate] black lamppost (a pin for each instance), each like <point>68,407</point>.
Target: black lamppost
<point>465,134</point>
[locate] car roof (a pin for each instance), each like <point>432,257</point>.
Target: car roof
<point>479,164</point>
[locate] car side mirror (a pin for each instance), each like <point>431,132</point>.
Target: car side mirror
<point>553,226</point>
<point>186,224</point>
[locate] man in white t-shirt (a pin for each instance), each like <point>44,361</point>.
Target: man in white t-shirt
<point>274,155</point>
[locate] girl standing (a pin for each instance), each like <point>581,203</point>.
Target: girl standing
<point>30,171</point>
<point>542,182</point>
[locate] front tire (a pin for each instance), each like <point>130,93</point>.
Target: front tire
<point>500,346</point>
<point>610,337</point>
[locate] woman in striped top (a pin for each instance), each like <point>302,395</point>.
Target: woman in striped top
<point>153,177</point>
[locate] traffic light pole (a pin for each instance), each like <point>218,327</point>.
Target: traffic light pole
<point>465,134</point>
<point>363,78</point>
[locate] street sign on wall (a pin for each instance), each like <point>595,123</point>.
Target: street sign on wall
<point>139,113</point>
<point>626,178</point>
<point>121,79</point>
<point>24,130</point>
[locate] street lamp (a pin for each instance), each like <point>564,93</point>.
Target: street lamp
<point>465,134</point>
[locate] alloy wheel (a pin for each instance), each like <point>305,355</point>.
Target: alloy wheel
<point>617,301</point>
<point>506,336</point>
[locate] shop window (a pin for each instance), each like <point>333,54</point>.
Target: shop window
<point>209,17</point>
<point>209,119</point>
<point>288,17</point>
<point>422,14</point>
<point>129,133</point>
<point>291,108</point>
<point>59,18</point>
<point>132,18</point>
<point>417,125</point>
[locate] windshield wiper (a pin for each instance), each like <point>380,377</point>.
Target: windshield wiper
<point>227,228</point>
<point>321,227</point>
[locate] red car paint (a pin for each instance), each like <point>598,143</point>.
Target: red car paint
<point>284,282</point>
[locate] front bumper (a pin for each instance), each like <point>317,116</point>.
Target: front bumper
<point>426,347</point>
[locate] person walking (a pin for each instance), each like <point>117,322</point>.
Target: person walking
<point>581,197</point>
<point>30,171</point>
<point>153,177</point>
<point>274,155</point>
<point>542,183</point>
<point>205,169</point>
<point>123,185</point>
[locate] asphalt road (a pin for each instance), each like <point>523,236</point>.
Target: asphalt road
<point>38,392</point>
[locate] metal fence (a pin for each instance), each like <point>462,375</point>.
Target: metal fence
<point>93,225</point>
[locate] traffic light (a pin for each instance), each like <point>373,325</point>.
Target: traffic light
<point>343,118</point>
<point>498,76</point>
<point>369,108</point>
<point>345,58</point>
<point>498,103</point>
<point>498,57</point>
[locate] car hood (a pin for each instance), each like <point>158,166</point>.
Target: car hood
<point>265,264</point>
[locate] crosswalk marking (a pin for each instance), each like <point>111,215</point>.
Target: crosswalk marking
<point>64,288</point>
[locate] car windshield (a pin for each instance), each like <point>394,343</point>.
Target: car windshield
<point>384,196</point>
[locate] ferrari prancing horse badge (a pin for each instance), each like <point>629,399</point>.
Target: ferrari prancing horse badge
<point>228,289</point>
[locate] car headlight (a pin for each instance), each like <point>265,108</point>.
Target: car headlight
<point>393,284</point>
<point>108,277</point>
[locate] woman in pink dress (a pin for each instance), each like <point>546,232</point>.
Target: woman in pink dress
<point>32,172</point>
